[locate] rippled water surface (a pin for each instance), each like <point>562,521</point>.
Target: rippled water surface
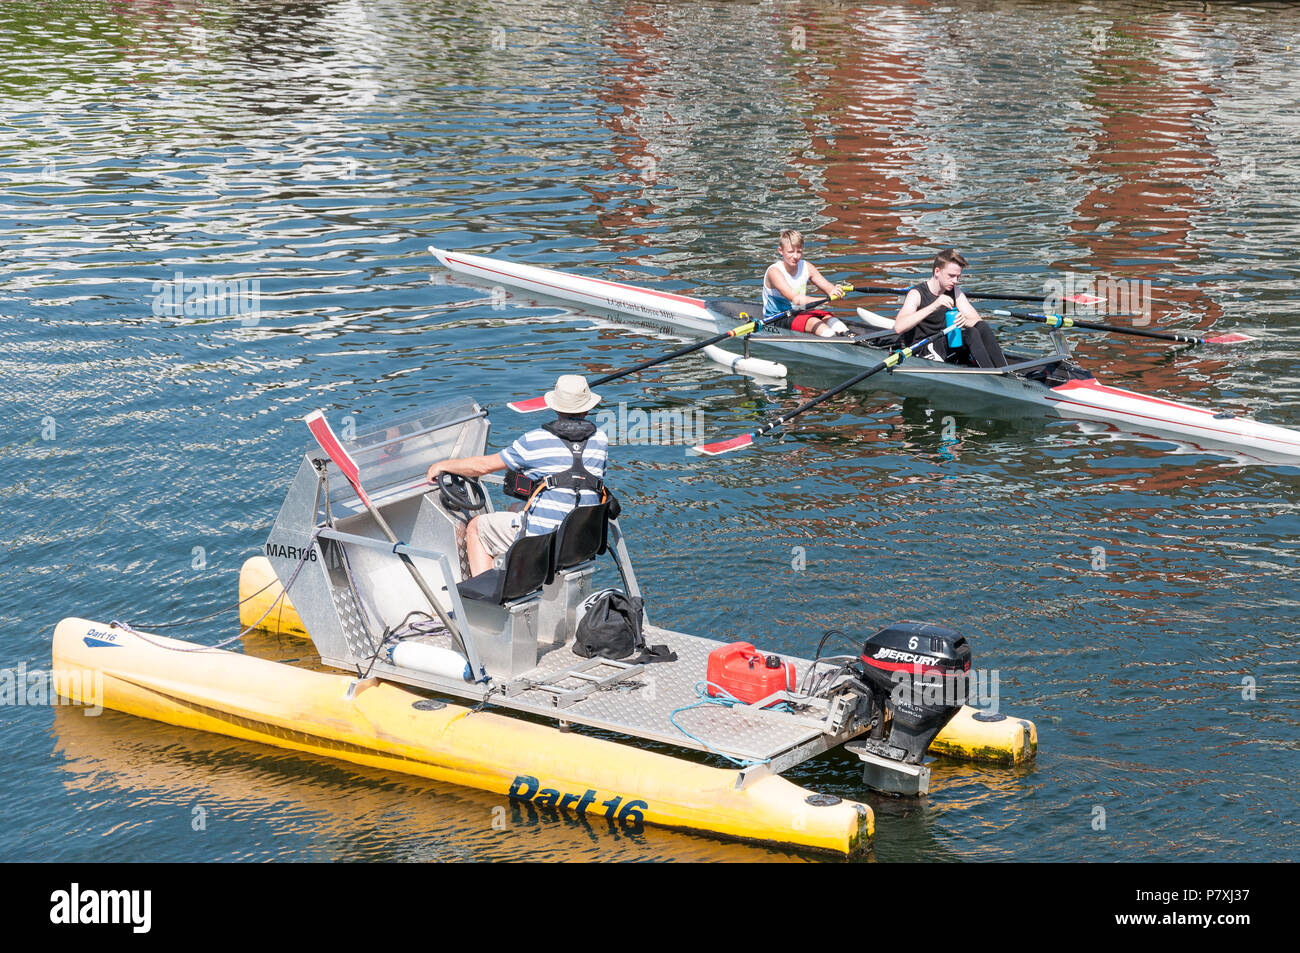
<point>1129,594</point>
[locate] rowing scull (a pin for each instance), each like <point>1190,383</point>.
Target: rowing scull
<point>1052,383</point>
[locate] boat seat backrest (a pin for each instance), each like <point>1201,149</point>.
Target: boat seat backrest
<point>525,568</point>
<point>581,537</point>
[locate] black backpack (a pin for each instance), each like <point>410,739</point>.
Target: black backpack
<point>611,628</point>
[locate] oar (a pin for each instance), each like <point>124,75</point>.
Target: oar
<point>745,440</point>
<point>320,429</point>
<point>988,295</point>
<point>1060,321</point>
<point>539,403</point>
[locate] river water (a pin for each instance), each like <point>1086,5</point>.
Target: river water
<point>1138,599</point>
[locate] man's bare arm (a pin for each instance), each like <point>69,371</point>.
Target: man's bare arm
<point>473,467</point>
<point>909,316</point>
<point>821,284</point>
<point>967,311</point>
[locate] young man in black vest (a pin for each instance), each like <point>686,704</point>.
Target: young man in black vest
<point>933,305</point>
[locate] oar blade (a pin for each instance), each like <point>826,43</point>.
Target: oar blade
<point>1230,338</point>
<point>320,429</point>
<point>723,446</point>
<point>1084,299</point>
<point>528,406</point>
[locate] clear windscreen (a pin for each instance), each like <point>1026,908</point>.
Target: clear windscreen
<point>396,455</point>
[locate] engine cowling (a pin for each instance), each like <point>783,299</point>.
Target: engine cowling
<point>919,675</point>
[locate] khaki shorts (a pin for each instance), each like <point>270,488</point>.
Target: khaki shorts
<point>497,531</point>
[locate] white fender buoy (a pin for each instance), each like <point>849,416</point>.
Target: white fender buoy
<point>875,320</point>
<point>424,657</point>
<point>753,366</point>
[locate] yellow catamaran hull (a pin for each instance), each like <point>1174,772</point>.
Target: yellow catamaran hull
<point>378,724</point>
<point>385,726</point>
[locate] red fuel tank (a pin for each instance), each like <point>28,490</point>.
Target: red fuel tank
<point>746,673</point>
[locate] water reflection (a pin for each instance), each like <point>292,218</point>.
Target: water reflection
<point>320,147</point>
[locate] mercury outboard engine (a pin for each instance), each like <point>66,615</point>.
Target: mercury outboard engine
<point>918,674</point>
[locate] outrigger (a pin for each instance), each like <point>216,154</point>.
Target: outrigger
<point>1053,383</point>
<point>474,680</point>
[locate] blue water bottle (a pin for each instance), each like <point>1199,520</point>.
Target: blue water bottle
<point>954,336</point>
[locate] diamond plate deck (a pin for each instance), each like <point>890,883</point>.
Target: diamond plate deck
<point>644,704</point>
<point>354,632</point>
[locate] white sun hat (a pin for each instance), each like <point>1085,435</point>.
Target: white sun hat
<point>571,395</point>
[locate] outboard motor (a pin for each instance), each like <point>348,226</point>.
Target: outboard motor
<point>918,674</point>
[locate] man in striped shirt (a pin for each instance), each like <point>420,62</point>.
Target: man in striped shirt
<point>570,453</point>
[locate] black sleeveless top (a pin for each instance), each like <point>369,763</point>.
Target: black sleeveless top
<point>934,323</point>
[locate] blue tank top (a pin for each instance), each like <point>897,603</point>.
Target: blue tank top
<point>773,301</point>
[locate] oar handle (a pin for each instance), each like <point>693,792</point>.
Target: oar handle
<point>1061,321</point>
<point>814,303</point>
<point>878,290</point>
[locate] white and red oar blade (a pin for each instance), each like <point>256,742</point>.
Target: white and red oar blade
<point>320,429</point>
<point>1231,338</point>
<point>1084,299</point>
<point>723,446</point>
<point>528,406</point>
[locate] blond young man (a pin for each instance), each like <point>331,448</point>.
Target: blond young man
<point>785,287</point>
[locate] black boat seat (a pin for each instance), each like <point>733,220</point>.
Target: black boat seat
<point>581,537</point>
<point>525,568</point>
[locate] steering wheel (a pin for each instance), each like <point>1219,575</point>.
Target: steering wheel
<point>457,493</point>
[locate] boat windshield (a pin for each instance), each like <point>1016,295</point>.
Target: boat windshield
<point>398,452</point>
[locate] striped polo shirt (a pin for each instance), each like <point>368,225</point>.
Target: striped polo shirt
<point>540,453</point>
